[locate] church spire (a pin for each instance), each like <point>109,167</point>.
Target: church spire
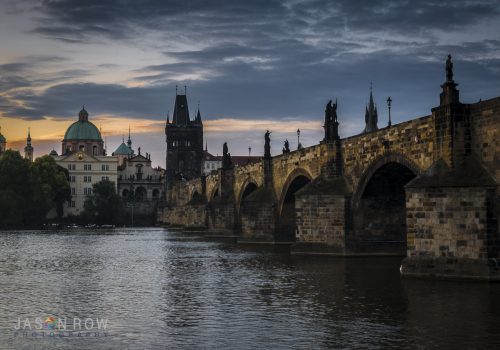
<point>129,141</point>
<point>371,115</point>
<point>28,150</point>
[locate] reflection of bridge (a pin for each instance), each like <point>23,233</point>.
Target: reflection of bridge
<point>425,188</point>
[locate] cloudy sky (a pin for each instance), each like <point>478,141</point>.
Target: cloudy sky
<point>251,65</point>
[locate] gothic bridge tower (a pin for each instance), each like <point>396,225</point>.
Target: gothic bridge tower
<point>184,139</point>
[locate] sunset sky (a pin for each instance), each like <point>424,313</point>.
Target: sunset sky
<point>251,65</point>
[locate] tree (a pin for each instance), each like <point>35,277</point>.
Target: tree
<point>15,189</point>
<point>52,188</point>
<point>28,191</point>
<point>104,205</point>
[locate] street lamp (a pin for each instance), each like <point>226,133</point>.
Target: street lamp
<point>389,102</point>
<point>298,138</point>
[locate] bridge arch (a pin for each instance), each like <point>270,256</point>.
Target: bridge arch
<point>287,214</point>
<point>214,193</point>
<point>196,196</point>
<point>249,185</point>
<point>379,204</point>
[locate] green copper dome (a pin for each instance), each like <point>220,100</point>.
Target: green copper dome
<point>83,130</point>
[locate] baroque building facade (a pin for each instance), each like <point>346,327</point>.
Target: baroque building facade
<point>85,159</point>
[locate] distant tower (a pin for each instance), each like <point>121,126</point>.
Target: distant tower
<point>371,116</point>
<point>28,150</point>
<point>3,142</point>
<point>184,142</point>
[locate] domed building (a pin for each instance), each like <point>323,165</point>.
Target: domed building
<point>84,156</point>
<point>84,136</point>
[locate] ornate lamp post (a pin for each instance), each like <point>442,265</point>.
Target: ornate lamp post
<point>389,103</point>
<point>298,138</point>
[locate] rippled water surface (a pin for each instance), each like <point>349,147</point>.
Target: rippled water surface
<point>169,289</point>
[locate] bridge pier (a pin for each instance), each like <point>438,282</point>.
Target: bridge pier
<point>323,217</point>
<point>451,225</point>
<point>258,212</point>
<point>221,210</point>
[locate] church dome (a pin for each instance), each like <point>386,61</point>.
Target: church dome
<point>82,130</point>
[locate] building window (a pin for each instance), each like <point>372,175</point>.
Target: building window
<point>105,167</point>
<point>94,150</point>
<point>71,204</point>
<point>87,191</point>
<point>87,179</point>
<point>87,167</point>
<point>72,178</point>
<point>105,178</point>
<point>73,191</point>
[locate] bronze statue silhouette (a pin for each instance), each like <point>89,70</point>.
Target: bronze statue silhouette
<point>267,144</point>
<point>286,149</point>
<point>226,157</point>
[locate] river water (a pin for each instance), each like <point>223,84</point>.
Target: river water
<point>158,289</point>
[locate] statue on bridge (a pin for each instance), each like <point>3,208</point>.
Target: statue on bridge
<point>286,149</point>
<point>449,69</point>
<point>227,163</point>
<point>267,145</point>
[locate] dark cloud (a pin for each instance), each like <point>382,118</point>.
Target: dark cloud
<point>263,59</point>
<point>119,19</point>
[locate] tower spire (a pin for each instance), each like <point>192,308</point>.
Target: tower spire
<point>28,150</point>
<point>129,141</point>
<point>371,116</point>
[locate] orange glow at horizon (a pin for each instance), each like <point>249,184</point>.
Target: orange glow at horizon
<point>49,129</point>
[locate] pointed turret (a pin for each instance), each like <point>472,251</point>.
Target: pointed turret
<point>198,115</point>
<point>181,111</point>
<point>28,150</point>
<point>129,141</point>
<point>371,115</point>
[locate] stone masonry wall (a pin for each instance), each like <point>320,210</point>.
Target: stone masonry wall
<point>186,215</point>
<point>321,222</point>
<point>448,222</point>
<point>485,121</point>
<point>258,216</point>
<point>412,139</point>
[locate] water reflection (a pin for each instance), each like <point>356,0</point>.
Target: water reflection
<point>170,289</point>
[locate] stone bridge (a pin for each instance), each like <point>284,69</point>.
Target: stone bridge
<point>425,189</point>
